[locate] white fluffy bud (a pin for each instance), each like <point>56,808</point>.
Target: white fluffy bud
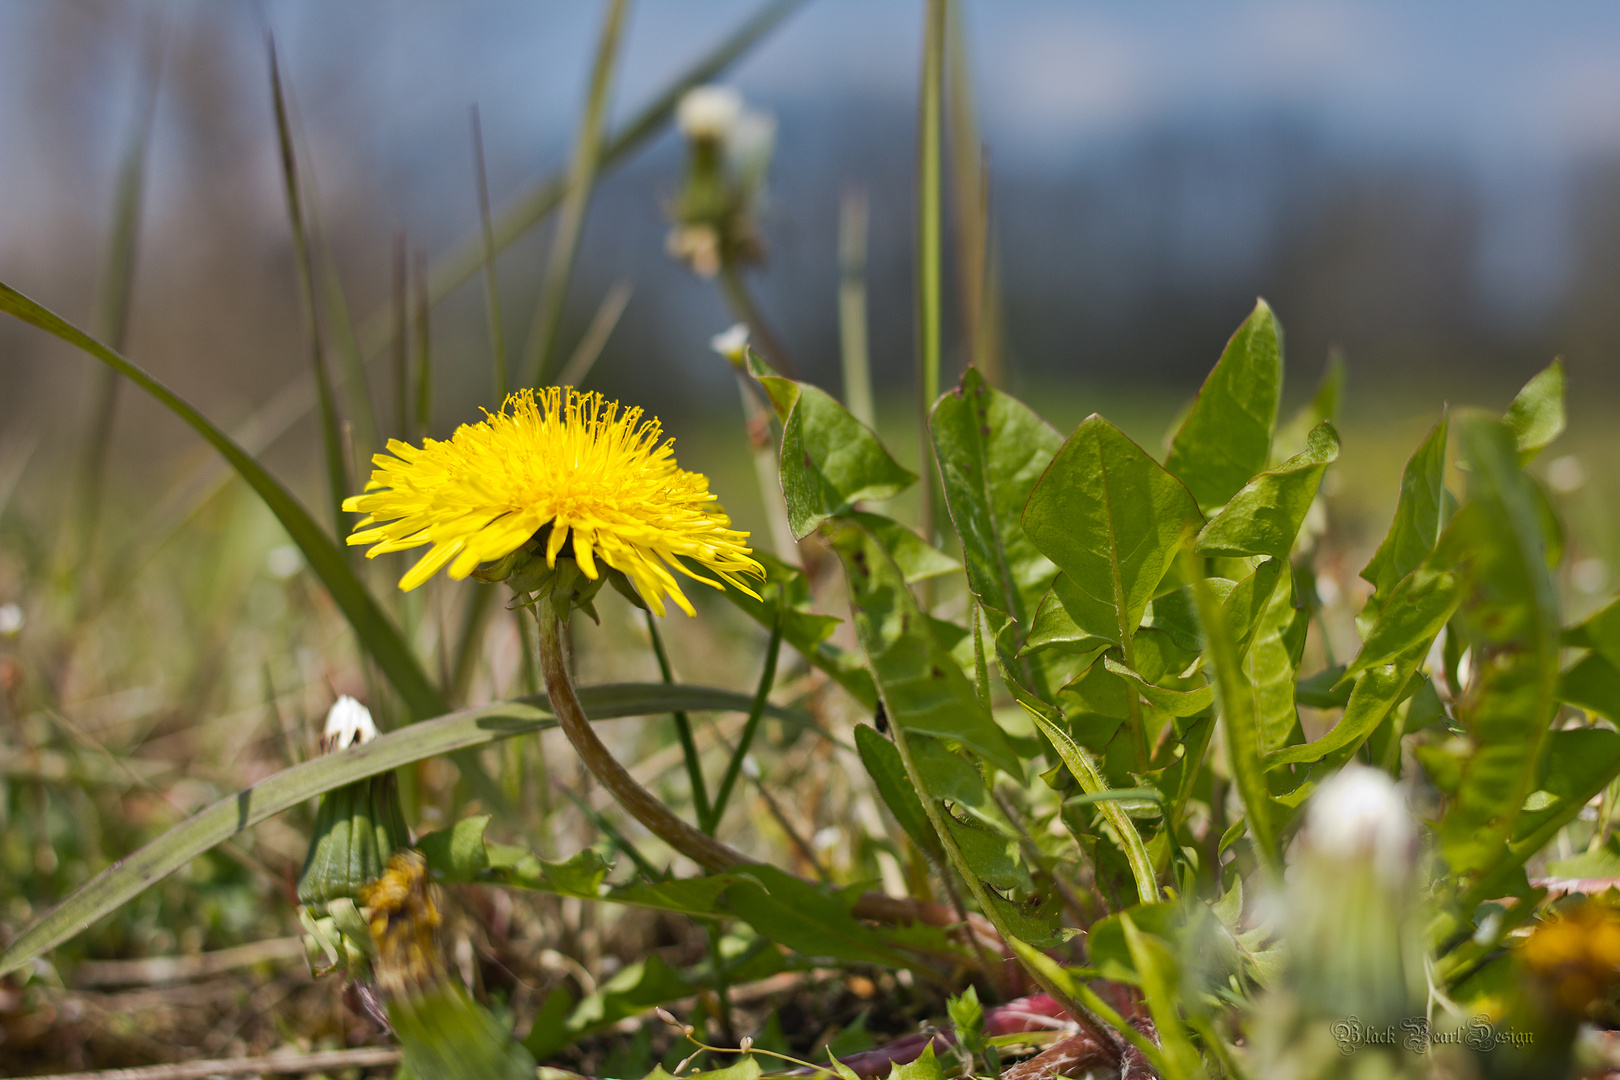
<point>1361,814</point>
<point>708,112</point>
<point>731,343</point>
<point>348,723</point>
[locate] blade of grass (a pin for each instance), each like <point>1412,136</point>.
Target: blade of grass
<point>767,680</point>
<point>337,473</point>
<point>929,254</point>
<point>197,488</point>
<point>473,618</point>
<point>683,731</point>
<point>401,315</point>
<point>236,813</point>
<point>353,387</point>
<point>734,290</point>
<point>424,352</point>
<point>492,293</point>
<point>534,205</point>
<point>596,335</point>
<point>377,634</point>
<point>970,200</point>
<point>615,837</point>
<point>538,366</point>
<point>390,325</point>
<point>112,314</point>
<point>852,331</point>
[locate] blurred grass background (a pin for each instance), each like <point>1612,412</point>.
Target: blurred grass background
<point>1435,191</point>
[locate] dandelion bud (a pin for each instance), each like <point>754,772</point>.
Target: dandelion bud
<point>1352,900</point>
<point>358,826</point>
<point>708,112</point>
<point>732,343</point>
<point>1361,815</point>
<point>1352,920</point>
<point>348,723</point>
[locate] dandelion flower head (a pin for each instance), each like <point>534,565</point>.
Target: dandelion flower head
<point>603,479</point>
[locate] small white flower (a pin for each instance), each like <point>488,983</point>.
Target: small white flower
<point>708,112</point>
<point>11,619</point>
<point>348,723</point>
<point>731,344</point>
<point>1361,814</point>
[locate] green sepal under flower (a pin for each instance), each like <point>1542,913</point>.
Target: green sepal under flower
<point>532,579</point>
<point>357,827</point>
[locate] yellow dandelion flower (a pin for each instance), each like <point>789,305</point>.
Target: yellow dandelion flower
<point>602,480</point>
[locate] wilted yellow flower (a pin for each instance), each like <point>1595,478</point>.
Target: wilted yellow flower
<point>404,924</point>
<point>604,483</point>
<point>1576,953</point>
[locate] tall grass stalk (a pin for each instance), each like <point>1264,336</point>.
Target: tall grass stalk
<point>683,731</point>
<point>492,292</point>
<point>971,205</point>
<point>535,204</point>
<point>929,253</point>
<point>401,313</point>
<point>595,339</point>
<point>424,351</point>
<point>337,473</point>
<point>542,342</point>
<point>112,315</point>
<point>852,331</point>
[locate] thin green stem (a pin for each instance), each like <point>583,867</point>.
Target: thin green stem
<point>615,837</point>
<point>424,352</point>
<point>337,473</point>
<point>929,247</point>
<point>852,328</point>
<point>596,335</point>
<point>465,658</point>
<point>352,388</point>
<point>746,311</point>
<point>728,1030</point>
<point>762,695</point>
<point>683,729</point>
<point>532,207</point>
<point>112,320</point>
<point>402,337</point>
<point>492,293</point>
<point>759,425</point>
<point>571,224</point>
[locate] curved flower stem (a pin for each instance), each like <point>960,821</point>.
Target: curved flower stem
<point>696,845</point>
